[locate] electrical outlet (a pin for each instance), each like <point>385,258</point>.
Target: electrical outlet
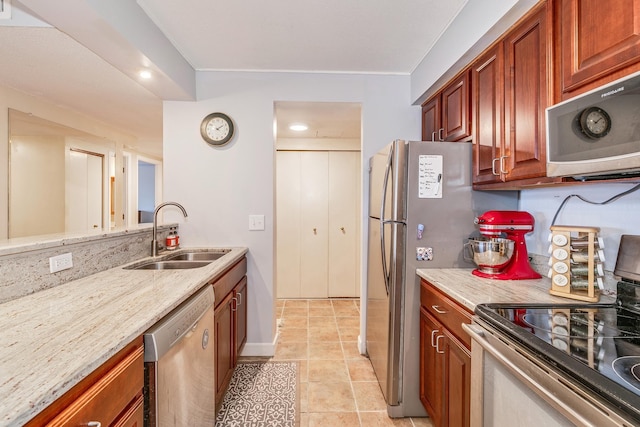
<point>60,262</point>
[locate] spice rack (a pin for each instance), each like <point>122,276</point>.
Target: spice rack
<point>576,269</point>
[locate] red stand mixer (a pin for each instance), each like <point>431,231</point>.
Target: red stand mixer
<point>513,225</point>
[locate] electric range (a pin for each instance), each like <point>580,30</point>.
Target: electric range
<point>597,345</point>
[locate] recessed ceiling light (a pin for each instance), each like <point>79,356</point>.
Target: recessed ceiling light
<point>299,127</point>
<point>145,74</point>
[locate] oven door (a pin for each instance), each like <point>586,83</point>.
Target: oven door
<point>509,386</point>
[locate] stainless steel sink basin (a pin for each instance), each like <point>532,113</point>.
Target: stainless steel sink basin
<point>168,265</point>
<point>196,256</point>
<point>184,259</point>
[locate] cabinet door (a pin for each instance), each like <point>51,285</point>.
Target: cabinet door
<point>457,382</point>
<point>431,119</point>
<point>597,39</point>
<point>225,346</point>
<point>431,367</point>
<point>455,110</point>
<point>134,416</point>
<point>487,110</point>
<point>240,292</point>
<point>344,224</point>
<point>526,98</point>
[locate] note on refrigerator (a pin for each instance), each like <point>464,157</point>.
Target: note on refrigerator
<point>430,177</point>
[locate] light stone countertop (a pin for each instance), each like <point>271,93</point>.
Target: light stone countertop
<point>54,338</point>
<point>470,290</point>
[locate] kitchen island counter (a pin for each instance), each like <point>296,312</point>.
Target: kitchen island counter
<point>470,290</point>
<point>54,338</point>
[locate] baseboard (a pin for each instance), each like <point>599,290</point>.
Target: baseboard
<point>260,349</point>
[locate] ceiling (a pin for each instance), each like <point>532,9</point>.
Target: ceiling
<point>330,36</point>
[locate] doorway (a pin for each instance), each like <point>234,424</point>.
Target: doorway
<point>146,191</point>
<point>318,199</point>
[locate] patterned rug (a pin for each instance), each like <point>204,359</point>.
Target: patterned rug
<point>261,394</point>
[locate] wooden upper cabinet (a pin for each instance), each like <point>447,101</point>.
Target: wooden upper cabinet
<point>431,119</point>
<point>510,95</point>
<point>526,98</point>
<point>455,109</point>
<point>446,116</point>
<point>487,115</point>
<point>599,43</point>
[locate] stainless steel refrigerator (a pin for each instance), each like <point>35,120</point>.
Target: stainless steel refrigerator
<point>421,212</point>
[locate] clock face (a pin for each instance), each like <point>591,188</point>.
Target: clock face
<point>595,122</point>
<point>217,129</point>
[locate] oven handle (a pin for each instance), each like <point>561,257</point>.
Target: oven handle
<point>477,334</point>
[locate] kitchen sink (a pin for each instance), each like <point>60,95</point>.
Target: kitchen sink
<point>196,256</point>
<point>184,259</point>
<point>168,265</point>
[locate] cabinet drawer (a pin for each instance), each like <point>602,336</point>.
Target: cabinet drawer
<point>225,284</point>
<point>106,399</point>
<point>451,314</point>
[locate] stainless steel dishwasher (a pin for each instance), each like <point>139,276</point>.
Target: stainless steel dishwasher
<point>179,366</point>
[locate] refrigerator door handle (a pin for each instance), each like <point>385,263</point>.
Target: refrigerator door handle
<point>383,221</point>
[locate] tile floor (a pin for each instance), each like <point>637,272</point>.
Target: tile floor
<point>338,386</point>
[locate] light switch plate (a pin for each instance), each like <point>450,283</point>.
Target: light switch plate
<point>60,262</point>
<point>256,222</point>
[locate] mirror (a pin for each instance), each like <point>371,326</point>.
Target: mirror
<point>61,180</point>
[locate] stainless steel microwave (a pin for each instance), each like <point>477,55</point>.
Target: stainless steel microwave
<point>596,135</point>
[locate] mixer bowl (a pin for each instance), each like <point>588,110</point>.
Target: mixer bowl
<point>491,255</point>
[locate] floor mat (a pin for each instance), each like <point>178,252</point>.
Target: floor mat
<point>261,394</point>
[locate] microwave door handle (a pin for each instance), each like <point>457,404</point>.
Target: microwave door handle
<point>383,221</point>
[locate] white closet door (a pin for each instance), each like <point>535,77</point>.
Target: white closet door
<point>314,189</point>
<point>344,224</point>
<point>288,224</point>
<point>318,236</point>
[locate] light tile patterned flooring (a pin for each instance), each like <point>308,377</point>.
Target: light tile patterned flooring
<point>338,386</point>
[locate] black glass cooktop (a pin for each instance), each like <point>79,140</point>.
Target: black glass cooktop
<point>596,345</point>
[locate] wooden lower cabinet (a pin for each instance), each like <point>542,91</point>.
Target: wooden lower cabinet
<point>431,368</point>
<point>445,360</point>
<point>111,395</point>
<point>230,333</point>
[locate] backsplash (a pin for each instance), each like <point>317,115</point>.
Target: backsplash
<point>25,270</point>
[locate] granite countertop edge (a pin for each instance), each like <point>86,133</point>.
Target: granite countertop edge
<point>470,290</point>
<point>53,339</point>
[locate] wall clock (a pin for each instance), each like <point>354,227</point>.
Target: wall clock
<point>217,129</point>
<point>595,122</point>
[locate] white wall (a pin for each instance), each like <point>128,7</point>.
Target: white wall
<point>614,219</point>
<point>478,24</point>
<point>221,186</point>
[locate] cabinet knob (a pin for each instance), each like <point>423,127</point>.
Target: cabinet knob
<point>433,136</point>
<point>440,134</point>
<point>94,424</point>
<point>315,231</point>
<point>342,229</point>
<point>234,306</point>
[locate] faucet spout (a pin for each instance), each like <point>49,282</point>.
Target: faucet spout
<point>154,241</point>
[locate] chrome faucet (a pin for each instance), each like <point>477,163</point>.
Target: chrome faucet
<point>154,242</point>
